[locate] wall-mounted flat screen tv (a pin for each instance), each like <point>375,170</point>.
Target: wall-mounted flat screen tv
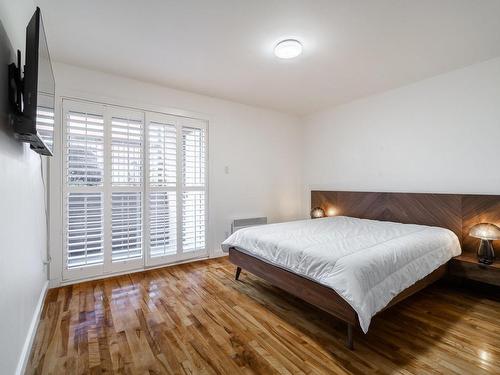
<point>36,122</point>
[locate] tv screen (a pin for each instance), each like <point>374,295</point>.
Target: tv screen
<point>37,126</point>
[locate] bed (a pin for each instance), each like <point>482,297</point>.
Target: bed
<point>377,250</point>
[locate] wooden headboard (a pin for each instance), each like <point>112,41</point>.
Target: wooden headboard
<point>457,212</point>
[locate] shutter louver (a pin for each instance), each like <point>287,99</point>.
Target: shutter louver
<point>126,152</point>
<point>45,125</point>
<point>162,223</point>
<point>162,154</point>
<point>84,229</point>
<point>193,162</point>
<point>84,149</point>
<point>126,225</point>
<point>126,186</point>
<point>193,220</point>
<point>193,195</point>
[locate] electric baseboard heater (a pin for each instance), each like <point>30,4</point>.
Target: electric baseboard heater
<point>244,223</point>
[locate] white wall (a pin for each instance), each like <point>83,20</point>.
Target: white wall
<point>260,147</point>
<point>438,135</point>
<point>22,216</point>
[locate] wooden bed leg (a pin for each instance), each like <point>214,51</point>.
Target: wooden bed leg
<point>349,342</point>
<point>238,271</point>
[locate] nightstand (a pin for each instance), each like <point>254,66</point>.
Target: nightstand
<point>467,266</point>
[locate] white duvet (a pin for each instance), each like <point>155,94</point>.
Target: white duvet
<point>367,262</point>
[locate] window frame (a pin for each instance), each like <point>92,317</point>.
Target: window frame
<point>146,261</point>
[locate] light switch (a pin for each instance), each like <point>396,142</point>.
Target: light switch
<point>226,169</point>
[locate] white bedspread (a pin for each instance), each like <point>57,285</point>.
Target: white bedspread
<point>367,262</point>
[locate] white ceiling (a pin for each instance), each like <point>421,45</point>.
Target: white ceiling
<point>224,48</point>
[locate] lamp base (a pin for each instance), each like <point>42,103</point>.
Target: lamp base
<point>485,253</point>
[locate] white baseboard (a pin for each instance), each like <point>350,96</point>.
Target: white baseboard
<point>23,358</point>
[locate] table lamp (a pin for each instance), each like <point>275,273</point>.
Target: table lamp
<point>317,212</point>
<point>487,233</point>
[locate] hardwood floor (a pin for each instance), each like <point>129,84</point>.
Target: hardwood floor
<point>196,319</point>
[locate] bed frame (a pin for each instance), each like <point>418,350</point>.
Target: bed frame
<point>456,212</point>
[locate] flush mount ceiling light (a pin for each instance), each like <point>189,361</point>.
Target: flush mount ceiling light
<point>288,49</point>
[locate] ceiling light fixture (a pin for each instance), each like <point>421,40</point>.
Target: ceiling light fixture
<point>288,49</point>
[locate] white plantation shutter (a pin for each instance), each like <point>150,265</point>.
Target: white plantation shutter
<point>176,187</point>
<point>85,229</point>
<point>162,187</point>
<point>84,192</point>
<point>162,154</point>
<point>193,220</point>
<point>162,223</point>
<point>45,125</point>
<point>84,149</point>
<point>135,188</point>
<point>194,213</point>
<point>127,175</point>
<point>45,119</point>
<point>126,225</point>
<point>193,152</point>
<point>126,152</point>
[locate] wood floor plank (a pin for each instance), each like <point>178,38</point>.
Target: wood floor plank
<point>196,319</point>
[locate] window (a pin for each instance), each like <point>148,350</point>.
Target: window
<point>176,188</point>
<point>135,189</point>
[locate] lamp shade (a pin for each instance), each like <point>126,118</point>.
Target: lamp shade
<point>317,212</point>
<point>485,231</point>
